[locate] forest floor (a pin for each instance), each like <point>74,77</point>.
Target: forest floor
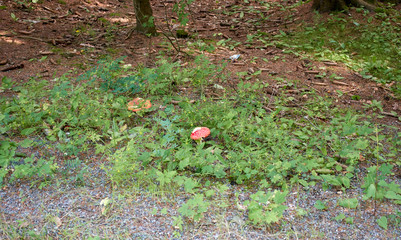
<point>51,38</point>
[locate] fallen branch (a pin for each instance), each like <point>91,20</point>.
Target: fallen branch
<point>13,67</point>
<point>50,10</point>
<point>46,53</point>
<point>267,109</point>
<point>312,72</point>
<point>340,83</point>
<point>319,83</point>
<point>300,124</point>
<point>352,90</point>
<point>27,37</point>
<point>295,91</point>
<point>330,63</point>
<point>362,3</point>
<point>26,32</point>
<point>177,102</point>
<point>389,114</point>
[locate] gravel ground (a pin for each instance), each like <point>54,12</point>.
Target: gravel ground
<point>69,210</point>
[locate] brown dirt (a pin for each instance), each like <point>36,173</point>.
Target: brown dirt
<point>72,36</point>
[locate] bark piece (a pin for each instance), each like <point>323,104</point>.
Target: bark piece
<point>13,67</point>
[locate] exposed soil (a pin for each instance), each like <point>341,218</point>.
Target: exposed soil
<point>73,36</point>
<point>52,38</point>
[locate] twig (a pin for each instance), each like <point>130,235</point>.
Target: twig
<point>389,114</point>
<point>26,32</point>
<point>330,63</point>
<point>294,91</point>
<point>309,86</point>
<point>192,17</point>
<point>27,37</point>
<point>299,124</point>
<point>177,102</point>
<point>320,84</point>
<point>352,90</point>
<point>172,44</point>
<point>178,49</point>
<point>312,72</point>
<point>132,30</point>
<point>340,83</point>
<point>50,10</point>
<point>267,109</point>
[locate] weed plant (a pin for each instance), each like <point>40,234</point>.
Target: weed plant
<point>371,46</point>
<point>249,145</point>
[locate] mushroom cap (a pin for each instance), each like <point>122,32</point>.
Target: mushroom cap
<point>199,133</point>
<point>138,104</point>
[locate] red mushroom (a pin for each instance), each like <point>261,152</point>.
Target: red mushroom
<point>138,104</point>
<point>200,133</point>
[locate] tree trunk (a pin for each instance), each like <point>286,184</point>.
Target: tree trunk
<point>340,5</point>
<point>144,17</point>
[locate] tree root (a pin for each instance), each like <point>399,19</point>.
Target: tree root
<point>370,7</point>
<point>341,5</point>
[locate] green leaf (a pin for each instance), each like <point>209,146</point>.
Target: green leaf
<point>270,217</point>
<point>349,220</point>
<point>340,217</point>
<point>28,131</point>
<point>324,150</point>
<point>223,188</point>
<point>3,173</point>
<point>324,171</point>
<point>189,185</point>
<point>392,195</point>
<point>385,169</point>
<point>279,197</point>
<point>165,177</point>
<point>209,193</point>
<point>26,143</point>
<point>382,222</point>
<point>349,203</point>
<point>303,182</point>
<point>361,144</point>
<point>345,181</point>
<point>371,192</point>
<point>183,163</point>
<point>393,186</point>
<point>332,180</point>
<point>320,205</point>
<point>194,207</point>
